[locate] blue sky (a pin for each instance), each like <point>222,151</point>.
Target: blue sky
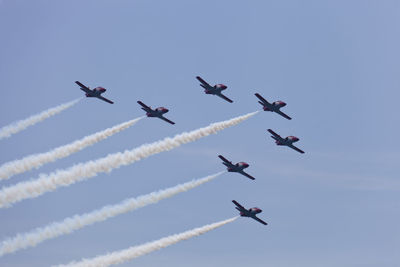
<point>335,63</point>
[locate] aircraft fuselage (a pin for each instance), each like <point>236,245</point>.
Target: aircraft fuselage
<point>274,107</point>
<point>212,90</point>
<point>250,212</point>
<point>238,167</point>
<point>285,141</point>
<point>158,112</point>
<point>96,92</point>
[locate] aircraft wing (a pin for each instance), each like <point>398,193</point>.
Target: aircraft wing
<point>274,133</point>
<point>283,114</point>
<point>238,205</point>
<point>247,175</point>
<point>83,87</point>
<point>297,149</point>
<point>224,97</point>
<point>261,98</point>
<point>167,120</point>
<point>105,99</point>
<point>145,107</point>
<point>203,81</point>
<point>224,159</point>
<point>259,220</point>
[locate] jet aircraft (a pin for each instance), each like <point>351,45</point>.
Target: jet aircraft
<point>248,212</point>
<point>213,90</point>
<point>274,107</point>
<point>158,112</point>
<point>287,141</point>
<point>238,167</point>
<point>96,92</point>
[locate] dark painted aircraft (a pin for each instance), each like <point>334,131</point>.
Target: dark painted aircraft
<point>249,212</point>
<point>238,167</point>
<point>213,90</point>
<point>287,141</point>
<point>96,92</point>
<point>158,112</point>
<point>273,107</point>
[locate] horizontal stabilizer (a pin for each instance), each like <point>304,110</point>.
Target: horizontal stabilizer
<point>203,81</point>
<point>81,85</point>
<point>224,159</point>
<point>261,98</point>
<point>273,133</point>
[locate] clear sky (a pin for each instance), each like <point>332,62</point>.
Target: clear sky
<point>335,63</point>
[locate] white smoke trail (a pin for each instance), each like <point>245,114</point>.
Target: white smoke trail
<point>83,171</point>
<point>122,256</point>
<point>36,160</point>
<point>70,224</point>
<point>15,127</point>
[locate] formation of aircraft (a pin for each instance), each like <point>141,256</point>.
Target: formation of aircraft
<point>238,167</point>
<point>249,212</point>
<point>217,90</point>
<point>213,90</point>
<point>287,141</point>
<point>158,112</point>
<point>273,107</point>
<point>96,92</point>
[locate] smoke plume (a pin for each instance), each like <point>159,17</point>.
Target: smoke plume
<point>122,256</point>
<point>18,126</point>
<point>83,171</point>
<point>71,224</point>
<point>36,160</point>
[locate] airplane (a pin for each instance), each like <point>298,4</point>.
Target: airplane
<point>158,112</point>
<point>238,167</point>
<point>213,90</point>
<point>274,107</point>
<point>248,212</point>
<point>96,92</point>
<point>287,141</point>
